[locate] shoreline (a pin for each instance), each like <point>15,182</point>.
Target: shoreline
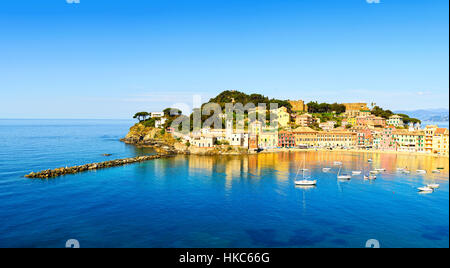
<point>278,150</point>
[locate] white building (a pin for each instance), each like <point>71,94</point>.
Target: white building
<point>203,142</point>
<point>160,122</point>
<point>327,126</point>
<point>395,120</point>
<point>156,114</point>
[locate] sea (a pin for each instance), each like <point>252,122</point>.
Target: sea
<point>208,201</point>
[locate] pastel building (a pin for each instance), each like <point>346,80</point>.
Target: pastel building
<point>336,139</point>
<point>283,117</point>
<point>327,126</point>
<point>304,120</point>
<point>268,140</point>
<point>286,139</point>
<point>440,141</point>
<point>305,137</point>
<point>395,120</point>
<point>409,141</point>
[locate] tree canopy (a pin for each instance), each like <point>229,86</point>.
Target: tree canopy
<point>141,116</point>
<point>315,107</point>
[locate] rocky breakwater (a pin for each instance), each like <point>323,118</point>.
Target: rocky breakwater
<point>45,174</point>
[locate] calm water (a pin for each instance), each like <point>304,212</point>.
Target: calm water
<point>240,201</point>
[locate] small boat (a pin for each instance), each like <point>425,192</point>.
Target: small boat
<point>374,172</point>
<point>433,186</point>
<point>436,171</point>
<point>370,177</point>
<point>343,177</point>
<point>425,189</point>
<point>306,183</point>
<point>356,172</point>
<point>400,169</point>
<point>421,171</point>
<point>380,169</point>
<point>440,168</point>
<point>406,171</point>
<point>369,160</point>
<point>326,169</point>
<point>337,163</point>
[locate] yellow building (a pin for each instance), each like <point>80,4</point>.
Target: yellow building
<point>305,137</point>
<point>336,139</point>
<point>354,109</point>
<point>299,106</point>
<point>409,141</point>
<point>351,121</point>
<point>284,118</point>
<point>429,136</point>
<point>440,141</point>
<point>268,139</point>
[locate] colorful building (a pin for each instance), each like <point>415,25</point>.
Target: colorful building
<point>268,140</point>
<point>336,139</point>
<point>440,141</point>
<point>305,137</point>
<point>395,120</point>
<point>286,139</point>
<point>327,126</point>
<point>283,117</point>
<point>304,120</point>
<point>429,136</point>
<point>409,141</point>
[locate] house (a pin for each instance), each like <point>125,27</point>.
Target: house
<point>255,127</point>
<point>156,114</point>
<point>283,117</point>
<point>336,139</point>
<point>327,126</point>
<point>239,139</point>
<point>286,139</point>
<point>355,109</point>
<point>429,136</point>
<point>160,122</point>
<point>395,120</point>
<point>409,141</point>
<point>268,140</point>
<point>304,120</point>
<point>305,137</point>
<point>440,141</point>
<point>203,142</point>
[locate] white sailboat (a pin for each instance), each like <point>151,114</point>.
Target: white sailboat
<point>356,172</point>
<point>436,171</point>
<point>421,171</point>
<point>344,177</point>
<point>304,181</point>
<point>337,163</point>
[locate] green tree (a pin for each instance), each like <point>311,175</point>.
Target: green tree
<point>141,116</point>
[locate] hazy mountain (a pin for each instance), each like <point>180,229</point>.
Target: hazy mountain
<point>435,115</point>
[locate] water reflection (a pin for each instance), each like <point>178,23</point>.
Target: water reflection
<point>285,165</point>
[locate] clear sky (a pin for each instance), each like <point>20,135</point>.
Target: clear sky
<point>112,58</point>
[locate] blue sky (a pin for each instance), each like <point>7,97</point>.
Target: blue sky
<point>109,59</point>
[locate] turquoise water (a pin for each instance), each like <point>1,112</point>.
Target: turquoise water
<point>194,201</point>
